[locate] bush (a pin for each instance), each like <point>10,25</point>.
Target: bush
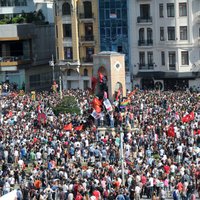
<point>68,105</point>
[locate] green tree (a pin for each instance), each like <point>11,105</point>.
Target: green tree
<point>68,105</point>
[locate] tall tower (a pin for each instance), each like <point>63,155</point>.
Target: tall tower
<point>109,69</point>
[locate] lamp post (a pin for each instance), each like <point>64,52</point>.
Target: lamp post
<point>52,64</point>
<point>60,86</point>
<point>122,154</point>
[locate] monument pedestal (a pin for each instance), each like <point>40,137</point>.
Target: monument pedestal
<point>109,69</point>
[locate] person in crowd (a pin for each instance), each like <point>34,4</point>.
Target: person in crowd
<point>43,158</point>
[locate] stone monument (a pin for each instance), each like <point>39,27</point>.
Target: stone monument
<point>109,73</point>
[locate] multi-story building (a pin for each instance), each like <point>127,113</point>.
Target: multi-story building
<point>113,26</point>
<point>77,39</point>
<point>164,49</point>
<point>26,43</point>
<point>113,29</point>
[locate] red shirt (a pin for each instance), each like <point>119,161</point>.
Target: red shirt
<point>96,193</point>
<point>167,169</point>
<point>143,180</point>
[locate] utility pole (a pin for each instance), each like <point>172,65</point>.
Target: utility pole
<point>122,154</point>
<point>52,64</point>
<point>60,86</point>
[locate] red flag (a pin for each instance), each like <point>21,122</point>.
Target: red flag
<point>170,131</point>
<point>118,94</point>
<point>100,77</point>
<point>196,132</point>
<point>96,101</point>
<point>191,116</point>
<point>94,83</point>
<point>68,127</point>
<point>42,118</point>
<point>188,117</point>
<point>97,108</point>
<point>79,128</point>
<point>132,93</point>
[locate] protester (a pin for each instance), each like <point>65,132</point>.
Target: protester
<point>68,157</point>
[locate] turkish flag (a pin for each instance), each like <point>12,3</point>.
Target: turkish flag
<point>79,128</point>
<point>191,116</point>
<point>170,131</point>
<point>188,117</point>
<point>118,94</point>
<point>100,77</point>
<point>68,127</point>
<point>94,83</point>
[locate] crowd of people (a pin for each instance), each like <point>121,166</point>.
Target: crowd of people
<point>43,160</point>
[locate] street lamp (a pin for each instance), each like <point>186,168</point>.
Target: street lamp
<point>52,64</point>
<point>60,84</point>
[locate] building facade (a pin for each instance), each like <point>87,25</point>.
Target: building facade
<point>77,39</point>
<point>113,29</point>
<point>26,46</point>
<point>164,49</point>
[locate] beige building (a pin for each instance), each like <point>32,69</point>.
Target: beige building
<point>76,41</point>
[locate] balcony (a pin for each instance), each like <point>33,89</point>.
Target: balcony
<point>87,39</point>
<point>146,66</point>
<point>86,17</point>
<point>144,20</point>
<point>145,42</point>
<point>87,59</point>
<point>172,66</point>
<point>13,61</point>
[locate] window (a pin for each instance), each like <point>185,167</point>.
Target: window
<point>141,34</point>
<point>183,32</point>
<point>145,11</point>
<point>67,31</point>
<point>182,9</point>
<point>149,35</point>
<point>85,72</point>
<point>66,10</point>
<point>142,58</point>
<point>170,10</point>
<point>162,34</point>
<point>150,57</point>
<point>12,3</point>
<point>171,33</point>
<point>172,60</point>
<point>87,9</point>
<point>119,49</point>
<point>184,58</point>
<point>68,52</point>
<point>161,10</point>
<point>162,58</point>
<point>89,53</point>
<point>89,29</point>
<point>69,72</point>
<point>85,84</point>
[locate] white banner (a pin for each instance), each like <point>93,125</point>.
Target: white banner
<point>107,104</point>
<point>96,115</point>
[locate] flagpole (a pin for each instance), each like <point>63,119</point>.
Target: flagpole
<point>122,154</point>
